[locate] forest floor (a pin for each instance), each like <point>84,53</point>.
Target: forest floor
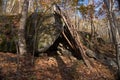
<point>60,66</point>
<point>56,67</point>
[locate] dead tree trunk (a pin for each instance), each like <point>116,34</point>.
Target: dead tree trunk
<point>72,37</point>
<point>21,33</point>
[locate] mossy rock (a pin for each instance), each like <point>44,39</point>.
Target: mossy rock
<point>7,39</point>
<point>48,30</point>
<point>7,45</point>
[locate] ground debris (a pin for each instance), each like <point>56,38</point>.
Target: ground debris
<point>58,67</point>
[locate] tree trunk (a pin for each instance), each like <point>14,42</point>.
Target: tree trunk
<point>109,32</point>
<point>92,29</point>
<point>31,6</point>
<point>114,31</point>
<point>4,5</point>
<point>21,33</point>
<point>0,6</point>
<point>117,45</point>
<point>119,3</point>
<point>12,5</point>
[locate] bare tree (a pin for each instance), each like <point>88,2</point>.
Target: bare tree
<point>21,33</point>
<point>91,15</point>
<point>114,30</point>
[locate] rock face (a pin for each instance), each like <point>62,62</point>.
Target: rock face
<point>47,30</point>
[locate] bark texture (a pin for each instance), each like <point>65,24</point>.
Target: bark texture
<point>21,33</point>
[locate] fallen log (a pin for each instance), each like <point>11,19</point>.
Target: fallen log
<point>73,38</point>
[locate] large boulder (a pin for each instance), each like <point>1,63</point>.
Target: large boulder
<point>43,29</point>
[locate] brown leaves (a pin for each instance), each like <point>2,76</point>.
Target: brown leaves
<point>75,2</point>
<point>83,9</point>
<point>87,10</point>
